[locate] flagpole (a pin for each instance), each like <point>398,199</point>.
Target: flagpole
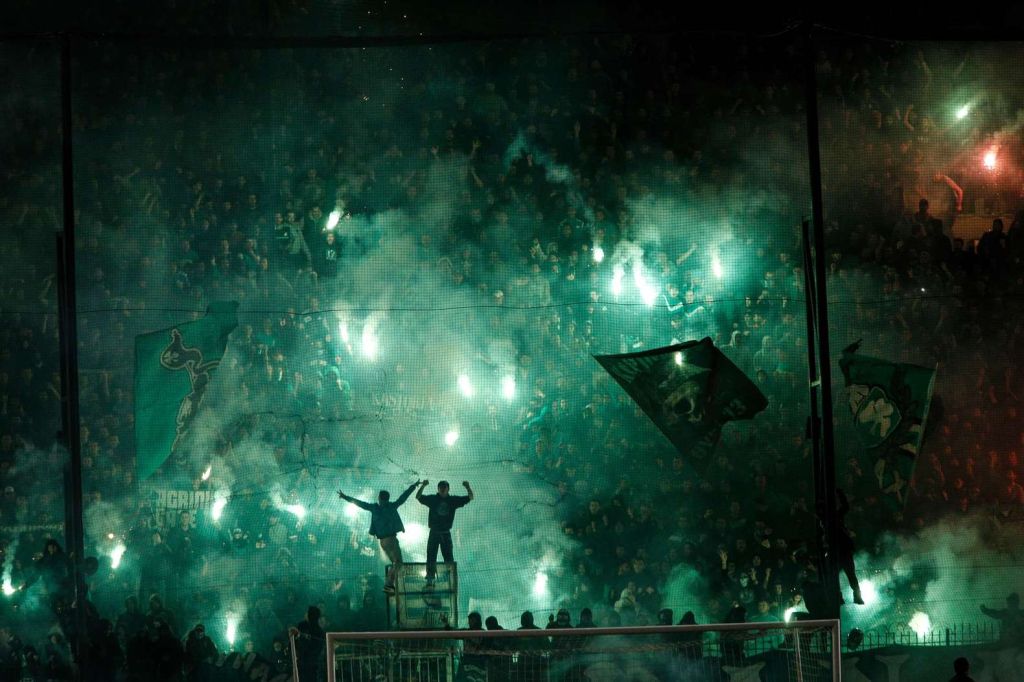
<point>818,329</point>
<point>813,429</point>
<point>67,311</point>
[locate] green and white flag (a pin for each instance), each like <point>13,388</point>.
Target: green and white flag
<point>889,402</point>
<point>173,369</point>
<point>689,390</point>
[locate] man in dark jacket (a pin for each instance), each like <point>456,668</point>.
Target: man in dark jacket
<point>532,663</point>
<point>309,645</point>
<point>385,525</point>
<point>442,513</point>
<point>131,621</point>
<point>200,655</point>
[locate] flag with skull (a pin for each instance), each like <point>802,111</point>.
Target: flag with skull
<point>689,390</point>
<point>889,402</point>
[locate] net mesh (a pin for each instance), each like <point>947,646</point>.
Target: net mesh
<point>31,464</point>
<point>443,327</point>
<point>502,211</point>
<point>789,652</point>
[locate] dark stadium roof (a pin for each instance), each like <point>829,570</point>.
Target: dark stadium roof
<point>444,18</point>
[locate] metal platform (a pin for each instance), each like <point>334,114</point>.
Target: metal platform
<point>418,606</point>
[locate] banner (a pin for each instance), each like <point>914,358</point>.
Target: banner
<point>689,390</point>
<point>173,369</point>
<point>170,503</point>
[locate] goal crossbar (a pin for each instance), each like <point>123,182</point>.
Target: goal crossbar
<point>508,637</point>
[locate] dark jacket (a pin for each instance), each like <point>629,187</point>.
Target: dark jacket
<point>384,521</point>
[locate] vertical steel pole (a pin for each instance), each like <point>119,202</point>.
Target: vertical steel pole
<point>67,311</point>
<point>826,476</point>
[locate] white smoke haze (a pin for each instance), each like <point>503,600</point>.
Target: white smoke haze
<point>398,300</point>
<point>556,173</point>
<point>390,452</point>
<point>687,590</point>
<point>946,571</point>
<point>104,519</point>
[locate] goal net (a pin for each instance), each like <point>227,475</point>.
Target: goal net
<point>805,651</point>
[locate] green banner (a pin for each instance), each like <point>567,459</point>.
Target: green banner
<point>173,370</point>
<point>689,390</point>
<point>889,402</point>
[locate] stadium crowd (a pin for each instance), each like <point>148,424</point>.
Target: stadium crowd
<point>214,177</point>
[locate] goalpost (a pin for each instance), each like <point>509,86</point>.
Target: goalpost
<point>800,651</point>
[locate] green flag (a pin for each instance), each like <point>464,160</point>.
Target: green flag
<point>173,369</point>
<point>889,402</point>
<point>689,390</point>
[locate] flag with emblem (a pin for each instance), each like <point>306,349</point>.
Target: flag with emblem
<point>173,370</point>
<point>889,402</point>
<point>689,390</point>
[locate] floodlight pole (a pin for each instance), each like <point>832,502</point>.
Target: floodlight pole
<point>70,434</point>
<point>820,372</point>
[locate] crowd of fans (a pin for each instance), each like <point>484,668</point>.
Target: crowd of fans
<point>215,177</point>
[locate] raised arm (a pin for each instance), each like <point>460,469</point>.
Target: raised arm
<point>957,191</point>
<point>469,491</point>
<point>405,496</point>
<point>358,503</point>
<point>992,613</point>
<point>671,308</point>
<point>419,493</point>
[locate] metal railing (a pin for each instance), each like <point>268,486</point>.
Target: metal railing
<point>962,634</point>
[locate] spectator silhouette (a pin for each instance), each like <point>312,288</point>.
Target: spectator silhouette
<point>1011,620</point>
<point>961,667</point>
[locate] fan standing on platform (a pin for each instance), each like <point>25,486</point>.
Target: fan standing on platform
<point>442,513</point>
<point>385,525</point>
